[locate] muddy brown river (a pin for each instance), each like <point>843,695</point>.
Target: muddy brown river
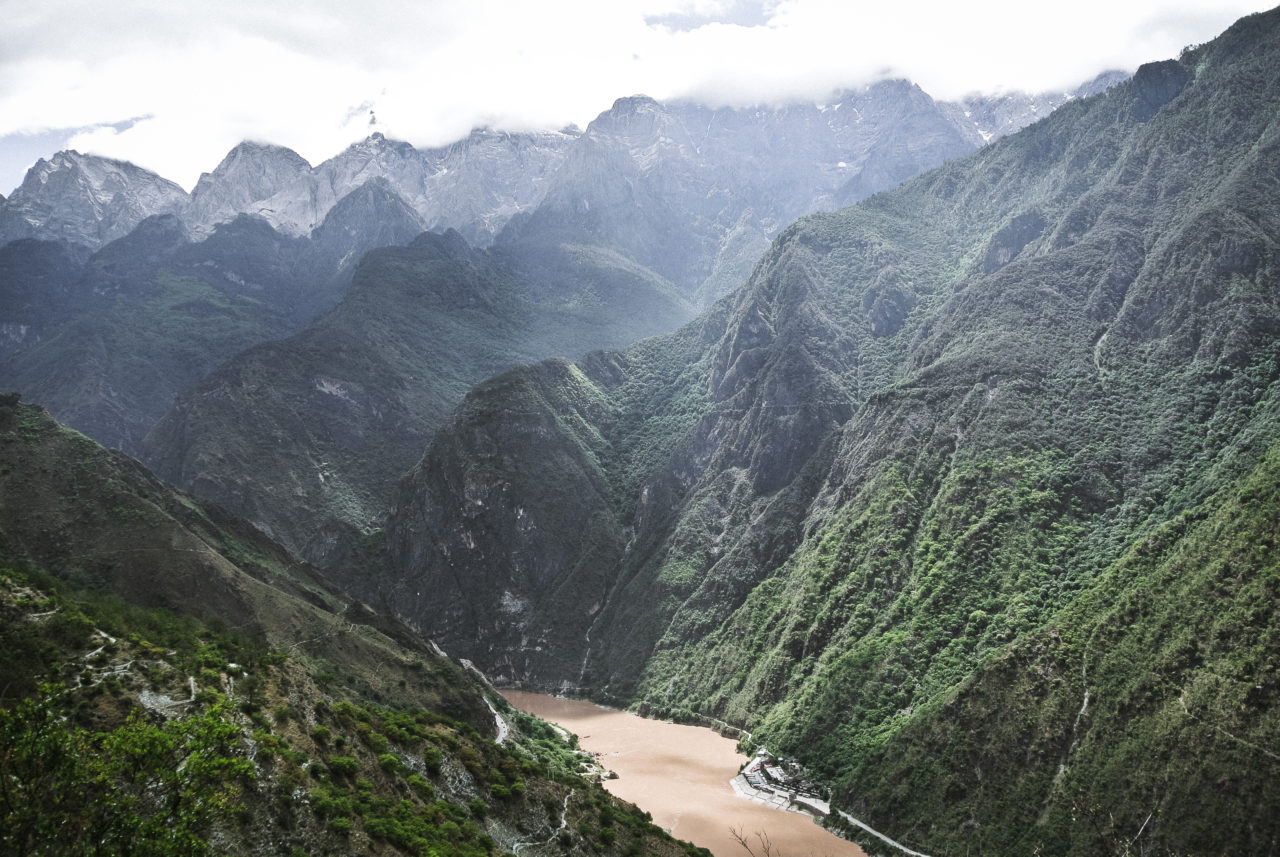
<point>681,774</point>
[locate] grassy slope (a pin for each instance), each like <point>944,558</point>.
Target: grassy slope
<point>97,518</point>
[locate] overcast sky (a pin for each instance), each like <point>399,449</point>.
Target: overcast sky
<point>172,85</point>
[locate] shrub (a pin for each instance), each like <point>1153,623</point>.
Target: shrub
<point>421,787</point>
<point>342,766</point>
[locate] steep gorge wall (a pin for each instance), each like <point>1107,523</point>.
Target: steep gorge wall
<point>930,428</point>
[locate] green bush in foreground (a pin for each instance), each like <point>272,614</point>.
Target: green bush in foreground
<point>140,789</point>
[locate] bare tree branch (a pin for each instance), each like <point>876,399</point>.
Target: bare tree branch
<point>764,843</point>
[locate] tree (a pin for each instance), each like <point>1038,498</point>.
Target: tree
<point>144,789</point>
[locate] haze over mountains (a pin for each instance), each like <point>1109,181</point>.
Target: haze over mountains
<point>598,237</point>
<point>949,467</point>
<point>474,185</point>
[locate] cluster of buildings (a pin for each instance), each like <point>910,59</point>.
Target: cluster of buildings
<point>779,783</point>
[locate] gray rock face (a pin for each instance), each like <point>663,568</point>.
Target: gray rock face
<point>248,175</point>
<point>696,193</point>
<point>300,206</point>
<point>715,183</point>
<point>985,117</point>
<point>474,185</point>
<point>478,184</point>
<point>86,200</point>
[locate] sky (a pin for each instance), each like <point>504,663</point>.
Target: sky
<point>173,85</point>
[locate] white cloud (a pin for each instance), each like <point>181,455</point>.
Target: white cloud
<point>305,74</point>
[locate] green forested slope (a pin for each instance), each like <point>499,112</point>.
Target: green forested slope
<point>928,426</point>
<point>98,519</point>
<point>173,683</point>
<point>1142,716</point>
<point>134,731</point>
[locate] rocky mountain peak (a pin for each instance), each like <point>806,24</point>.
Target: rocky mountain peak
<point>67,159</point>
<point>375,156</point>
<point>635,104</point>
<point>372,215</point>
<point>644,126</point>
<point>250,173</point>
<point>86,199</point>
<point>252,150</point>
<point>42,169</point>
<point>984,117</point>
<point>377,146</point>
<point>1101,83</point>
<point>480,182</point>
<point>632,116</point>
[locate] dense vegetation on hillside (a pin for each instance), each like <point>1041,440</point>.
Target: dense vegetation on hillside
<point>878,505</point>
<point>1156,692</point>
<point>177,684</point>
<point>969,499</point>
<point>180,737</point>
<point>96,518</point>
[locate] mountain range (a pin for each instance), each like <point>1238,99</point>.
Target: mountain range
<point>962,489</point>
<point>598,237</point>
<point>108,339</point>
<point>474,185</point>
<point>965,499</point>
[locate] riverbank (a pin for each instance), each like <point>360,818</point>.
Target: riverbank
<point>682,775</point>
